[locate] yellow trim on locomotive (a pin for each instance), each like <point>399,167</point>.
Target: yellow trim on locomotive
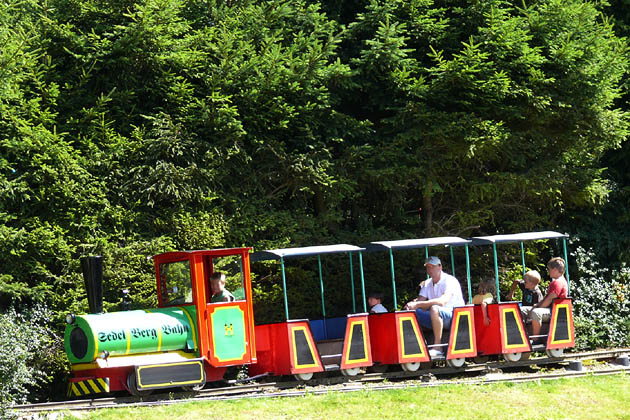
<point>192,327</point>
<point>214,347</point>
<point>88,386</point>
<point>134,359</point>
<point>170,382</point>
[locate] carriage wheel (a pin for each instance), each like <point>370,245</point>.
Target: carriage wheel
<point>304,376</point>
<point>410,367</point>
<point>512,357</point>
<point>555,352</point>
<point>350,372</point>
<point>456,363</point>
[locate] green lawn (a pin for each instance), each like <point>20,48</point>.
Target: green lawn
<point>577,398</point>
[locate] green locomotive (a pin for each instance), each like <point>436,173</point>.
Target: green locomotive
<point>184,342</point>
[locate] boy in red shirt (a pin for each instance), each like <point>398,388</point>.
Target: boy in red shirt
<point>558,288</point>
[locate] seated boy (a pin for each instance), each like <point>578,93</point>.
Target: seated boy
<point>374,302</point>
<point>529,287</point>
<point>219,293</point>
<point>558,288</point>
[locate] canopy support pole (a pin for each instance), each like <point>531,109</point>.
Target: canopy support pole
<point>363,281</point>
<point>354,305</point>
<point>284,290</point>
<point>321,284</point>
<point>496,270</point>
<point>566,264</point>
<point>391,264</point>
<point>523,257</point>
<point>468,275</point>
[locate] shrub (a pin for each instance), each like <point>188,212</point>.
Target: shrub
<point>600,303</point>
<point>26,347</point>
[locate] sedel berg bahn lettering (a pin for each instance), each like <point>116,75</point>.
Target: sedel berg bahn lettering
<point>152,333</point>
<point>106,336</point>
<point>175,329</point>
<point>144,333</point>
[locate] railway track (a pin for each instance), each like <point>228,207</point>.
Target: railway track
<point>487,373</point>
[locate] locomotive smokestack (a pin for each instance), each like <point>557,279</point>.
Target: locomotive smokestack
<point>93,275</point>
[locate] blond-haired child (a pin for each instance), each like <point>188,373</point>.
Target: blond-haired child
<point>529,286</point>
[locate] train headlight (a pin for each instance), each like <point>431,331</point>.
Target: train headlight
<point>104,355</point>
<point>70,319</point>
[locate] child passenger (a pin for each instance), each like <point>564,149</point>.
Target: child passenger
<point>558,288</point>
<point>374,302</point>
<point>529,286</point>
<point>484,296</point>
<point>219,292</point>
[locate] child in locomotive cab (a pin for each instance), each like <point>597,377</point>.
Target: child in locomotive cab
<point>219,292</point>
<point>374,302</point>
<point>529,286</point>
<point>484,296</point>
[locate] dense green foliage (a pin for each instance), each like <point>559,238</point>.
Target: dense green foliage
<point>602,303</point>
<point>133,127</point>
<point>29,351</point>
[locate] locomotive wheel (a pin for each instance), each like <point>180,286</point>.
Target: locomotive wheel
<point>456,363</point>
<point>196,388</point>
<point>512,357</point>
<point>410,367</point>
<point>303,376</point>
<point>350,372</point>
<point>555,352</point>
<point>132,386</point>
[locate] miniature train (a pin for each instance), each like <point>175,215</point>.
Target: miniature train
<point>189,340</point>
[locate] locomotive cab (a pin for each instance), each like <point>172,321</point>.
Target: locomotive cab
<point>225,329</point>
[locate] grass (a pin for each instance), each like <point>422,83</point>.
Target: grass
<point>593,397</point>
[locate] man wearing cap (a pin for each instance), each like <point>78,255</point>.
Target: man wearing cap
<point>436,300</point>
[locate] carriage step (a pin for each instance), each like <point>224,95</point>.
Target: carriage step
<point>330,356</point>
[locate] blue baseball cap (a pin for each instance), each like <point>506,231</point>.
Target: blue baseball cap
<point>433,261</point>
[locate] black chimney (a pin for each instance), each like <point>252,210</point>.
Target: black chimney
<point>93,275</point>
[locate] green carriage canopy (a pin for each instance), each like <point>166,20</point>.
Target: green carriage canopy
<point>281,254</point>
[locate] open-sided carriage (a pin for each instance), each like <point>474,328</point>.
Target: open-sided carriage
<point>397,338</point>
<point>301,347</point>
<point>508,334</point>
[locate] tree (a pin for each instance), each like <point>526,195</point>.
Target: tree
<point>503,129</point>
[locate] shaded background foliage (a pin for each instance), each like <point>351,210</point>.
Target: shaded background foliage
<point>130,128</point>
